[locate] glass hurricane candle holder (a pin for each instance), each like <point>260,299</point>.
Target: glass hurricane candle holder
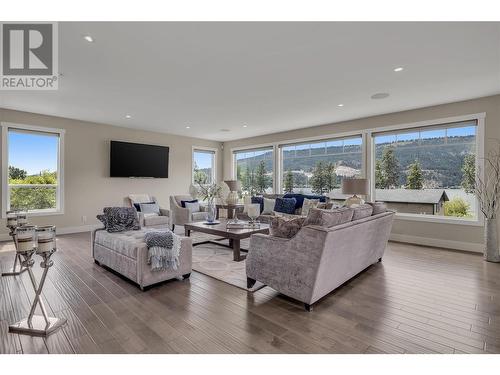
<point>25,238</point>
<point>22,218</point>
<point>46,239</point>
<point>11,219</point>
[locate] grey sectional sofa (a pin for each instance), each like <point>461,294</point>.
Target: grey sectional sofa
<point>126,253</point>
<point>317,259</point>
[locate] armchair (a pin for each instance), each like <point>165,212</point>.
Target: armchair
<point>153,221</point>
<point>180,215</point>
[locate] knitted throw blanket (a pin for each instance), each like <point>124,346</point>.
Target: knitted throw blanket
<point>163,250</point>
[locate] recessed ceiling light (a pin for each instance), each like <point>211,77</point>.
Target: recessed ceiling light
<point>398,69</point>
<point>380,95</point>
<point>340,105</point>
<point>245,126</point>
<point>225,130</point>
<point>188,127</point>
<point>128,116</point>
<point>88,38</point>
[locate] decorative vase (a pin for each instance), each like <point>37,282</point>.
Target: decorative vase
<point>491,253</point>
<point>232,198</point>
<point>210,212</point>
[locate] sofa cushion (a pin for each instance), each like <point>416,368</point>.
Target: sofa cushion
<point>137,206</point>
<point>285,205</point>
<point>281,227</point>
<point>362,211</point>
<point>183,202</point>
<point>155,220</point>
<point>268,206</point>
<point>329,218</point>
<point>192,206</point>
<point>300,198</point>
<point>126,243</point>
<point>378,207</point>
<point>308,204</point>
<point>258,200</point>
<point>149,208</point>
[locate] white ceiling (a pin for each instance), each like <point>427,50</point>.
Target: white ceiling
<point>269,76</point>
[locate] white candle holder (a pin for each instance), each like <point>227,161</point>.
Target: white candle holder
<point>37,325</point>
<point>12,224</point>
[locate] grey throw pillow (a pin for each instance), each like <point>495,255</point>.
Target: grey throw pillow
<point>378,207</point>
<point>362,211</point>
<point>330,218</point>
<point>150,208</point>
<point>193,206</point>
<point>280,227</point>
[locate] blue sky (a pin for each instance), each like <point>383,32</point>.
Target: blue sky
<point>33,152</point>
<point>203,159</point>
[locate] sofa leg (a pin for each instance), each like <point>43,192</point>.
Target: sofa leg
<point>380,260</point>
<point>308,307</point>
<point>97,262</point>
<point>173,227</point>
<point>250,282</point>
<point>186,276</point>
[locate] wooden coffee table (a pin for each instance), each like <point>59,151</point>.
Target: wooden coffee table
<point>234,235</point>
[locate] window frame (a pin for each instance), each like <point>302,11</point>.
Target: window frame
<point>59,210</point>
<point>266,146</point>
<point>214,161</point>
<point>480,121</point>
<point>342,137</point>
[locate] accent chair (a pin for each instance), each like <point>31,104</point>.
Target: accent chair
<point>180,215</point>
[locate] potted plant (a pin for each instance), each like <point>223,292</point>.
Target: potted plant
<point>487,190</point>
<point>209,192</point>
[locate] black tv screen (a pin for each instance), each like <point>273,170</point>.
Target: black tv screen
<point>138,160</point>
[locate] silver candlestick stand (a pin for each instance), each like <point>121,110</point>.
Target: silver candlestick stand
<point>37,325</point>
<point>14,271</point>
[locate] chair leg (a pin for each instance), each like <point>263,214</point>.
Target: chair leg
<point>380,259</point>
<point>97,262</point>
<point>308,307</point>
<point>186,276</point>
<point>250,282</point>
<point>173,227</point>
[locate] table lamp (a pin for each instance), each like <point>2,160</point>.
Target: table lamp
<point>234,186</point>
<point>355,186</point>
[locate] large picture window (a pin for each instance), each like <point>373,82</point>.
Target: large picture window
<point>254,169</point>
<point>427,171</point>
<point>32,170</point>
<point>318,167</point>
<point>203,166</point>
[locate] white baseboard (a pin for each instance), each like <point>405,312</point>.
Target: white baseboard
<point>65,230</point>
<point>436,242</point>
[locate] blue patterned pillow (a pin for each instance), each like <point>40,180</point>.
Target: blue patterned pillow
<point>259,200</point>
<point>285,205</point>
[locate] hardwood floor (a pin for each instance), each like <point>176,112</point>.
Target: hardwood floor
<point>418,300</point>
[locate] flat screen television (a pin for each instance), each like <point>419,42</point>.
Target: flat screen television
<point>138,160</point>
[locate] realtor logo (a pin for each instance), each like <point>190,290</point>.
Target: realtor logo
<point>29,59</point>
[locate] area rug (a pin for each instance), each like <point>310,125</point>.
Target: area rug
<point>217,261</point>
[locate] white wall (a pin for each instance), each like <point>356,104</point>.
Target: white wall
<point>87,185</point>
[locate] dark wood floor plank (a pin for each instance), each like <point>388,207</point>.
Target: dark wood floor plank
<point>418,300</point>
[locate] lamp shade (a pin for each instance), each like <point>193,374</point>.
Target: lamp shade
<point>234,185</point>
<point>355,186</point>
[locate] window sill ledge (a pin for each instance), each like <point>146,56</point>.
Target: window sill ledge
<point>40,213</point>
<point>477,222</point>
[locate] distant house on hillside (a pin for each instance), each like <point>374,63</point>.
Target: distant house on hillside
<point>426,201</point>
